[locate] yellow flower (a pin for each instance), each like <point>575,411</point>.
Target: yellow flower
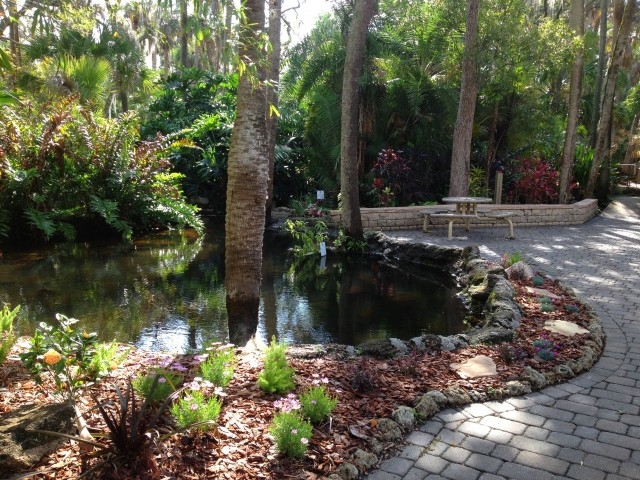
<point>51,357</point>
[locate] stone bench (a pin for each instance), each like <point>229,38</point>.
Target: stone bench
<point>502,215</point>
<point>451,217</point>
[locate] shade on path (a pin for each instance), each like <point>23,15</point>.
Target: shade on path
<point>587,428</point>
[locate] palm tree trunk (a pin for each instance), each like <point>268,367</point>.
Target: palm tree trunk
<point>246,187</point>
<point>350,115</point>
<point>604,125</point>
<point>602,57</point>
<point>463,129</point>
<point>576,20</point>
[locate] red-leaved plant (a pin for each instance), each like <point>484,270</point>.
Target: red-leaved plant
<point>537,182</point>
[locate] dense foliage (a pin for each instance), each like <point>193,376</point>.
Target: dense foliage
<point>65,169</point>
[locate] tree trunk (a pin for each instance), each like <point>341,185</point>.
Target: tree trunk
<point>604,125</point>
<point>14,37</point>
<point>275,12</point>
<point>602,58</point>
<point>225,36</point>
<point>349,134</point>
<point>247,187</point>
<point>576,20</point>
<point>463,129</point>
<point>631,155</point>
<point>184,37</point>
<point>492,144</point>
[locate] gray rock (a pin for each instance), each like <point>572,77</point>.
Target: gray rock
<point>381,348</point>
<point>503,290</point>
<point>515,388</point>
<point>20,445</point>
<point>405,417</point>
<point>376,446</point>
<point>456,395</point>
<point>438,397</point>
<point>334,476</point>
<point>446,343</point>
<point>491,335</point>
<point>389,430</point>
<point>399,345</point>
<point>364,460</point>
<point>347,471</point>
<point>427,406</point>
<point>519,270</point>
<point>536,379</point>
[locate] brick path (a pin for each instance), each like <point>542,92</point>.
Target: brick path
<point>587,428</point>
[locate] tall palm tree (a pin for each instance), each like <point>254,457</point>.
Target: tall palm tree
<point>350,119</point>
<point>247,183</point>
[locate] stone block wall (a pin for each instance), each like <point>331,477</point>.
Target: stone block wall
<point>409,218</point>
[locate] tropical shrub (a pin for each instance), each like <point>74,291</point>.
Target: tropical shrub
<point>536,182</point>
<point>64,352</point>
<point>404,177</point>
<point>66,170</point>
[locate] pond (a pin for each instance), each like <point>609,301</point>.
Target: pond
<point>166,293</point>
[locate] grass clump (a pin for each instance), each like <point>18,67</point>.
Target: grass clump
<point>219,366</point>
<point>157,390</point>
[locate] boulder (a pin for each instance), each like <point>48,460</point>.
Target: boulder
<point>21,445</point>
<point>364,460</point>
<point>389,430</point>
<point>405,417</point>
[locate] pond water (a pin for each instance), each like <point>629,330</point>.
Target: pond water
<point>166,292</point>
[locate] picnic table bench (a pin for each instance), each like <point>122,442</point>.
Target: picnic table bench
<point>466,210</point>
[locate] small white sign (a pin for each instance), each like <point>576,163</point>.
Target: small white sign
<point>320,194</point>
<point>323,263</point>
<point>323,249</point>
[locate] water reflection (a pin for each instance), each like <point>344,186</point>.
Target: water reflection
<point>166,292</point>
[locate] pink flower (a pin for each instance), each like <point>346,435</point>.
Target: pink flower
<point>294,431</point>
<point>304,441</point>
<point>193,406</point>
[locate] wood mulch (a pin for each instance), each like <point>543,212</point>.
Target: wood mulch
<point>241,447</point>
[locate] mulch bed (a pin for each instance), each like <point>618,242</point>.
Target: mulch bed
<point>241,447</point>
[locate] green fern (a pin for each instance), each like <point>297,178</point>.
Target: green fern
<point>42,221</point>
<point>108,209</point>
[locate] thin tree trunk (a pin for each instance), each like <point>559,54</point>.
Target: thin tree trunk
<point>463,129</point>
<point>576,20</point>
<point>604,126</point>
<point>247,186</point>
<point>631,155</point>
<point>602,59</point>
<point>184,37</point>
<point>275,12</point>
<point>225,36</point>
<point>492,146</point>
<point>350,129</point>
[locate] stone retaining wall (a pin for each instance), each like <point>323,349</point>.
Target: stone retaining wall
<point>408,218</point>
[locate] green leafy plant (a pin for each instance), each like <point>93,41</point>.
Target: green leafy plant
<point>194,410</point>
<point>509,259</point>
<point>291,433</point>
<point>62,351</point>
<point>546,304</point>
<point>157,385</point>
<point>571,308</point>
<point>105,359</point>
<point>219,366</point>
<point>316,404</point>
<point>348,243</point>
<point>546,349</point>
<point>307,237</point>
<point>7,338</point>
<point>537,281</point>
<point>277,375</point>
